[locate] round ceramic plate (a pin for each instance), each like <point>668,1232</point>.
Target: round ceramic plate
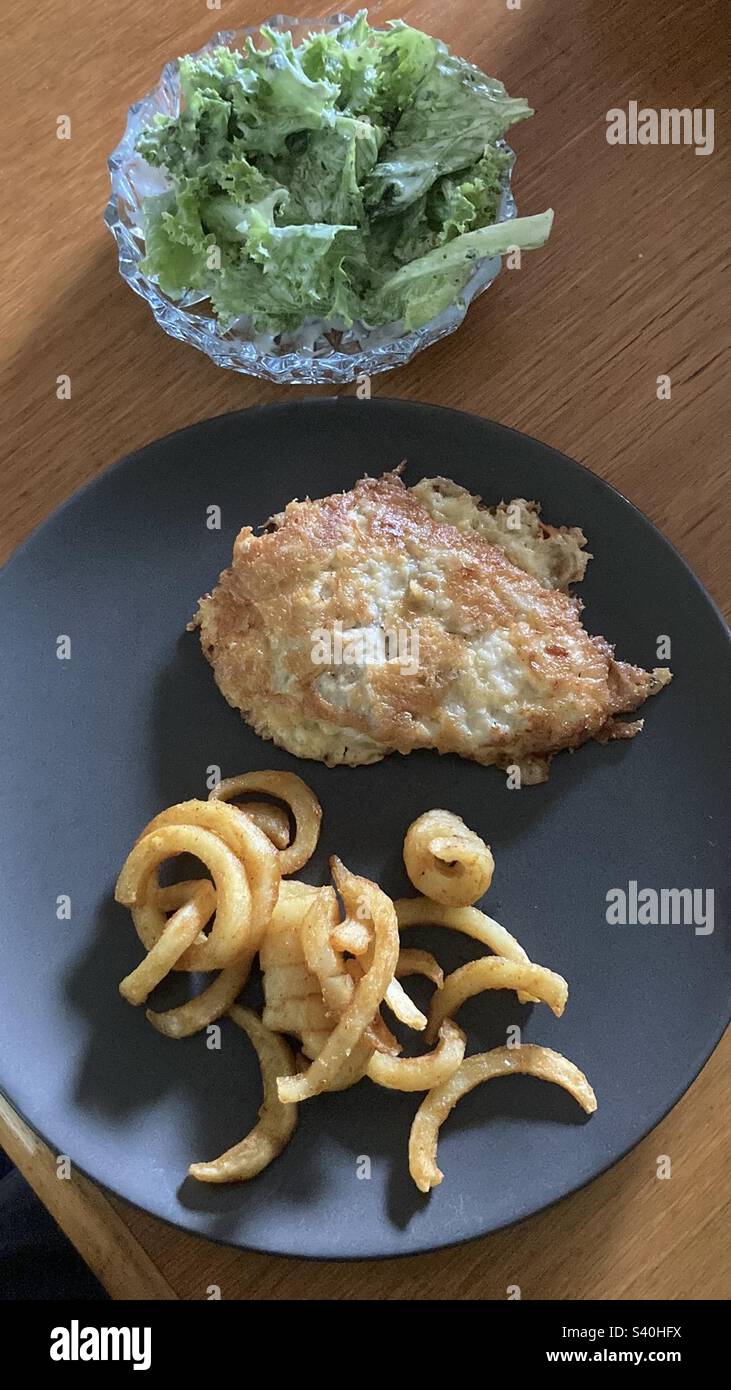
<point>123,718</point>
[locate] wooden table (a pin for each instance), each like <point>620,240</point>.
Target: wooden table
<point>568,349</point>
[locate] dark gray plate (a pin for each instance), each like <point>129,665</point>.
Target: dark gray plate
<point>96,744</point>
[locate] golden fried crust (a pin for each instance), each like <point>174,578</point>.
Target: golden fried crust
<point>483,656</point>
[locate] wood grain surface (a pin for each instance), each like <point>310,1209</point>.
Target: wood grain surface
<point>569,349</point>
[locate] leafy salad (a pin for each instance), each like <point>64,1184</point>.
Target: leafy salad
<point>355,177</point>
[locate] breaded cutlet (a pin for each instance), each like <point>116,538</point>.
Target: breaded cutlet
<point>456,631</point>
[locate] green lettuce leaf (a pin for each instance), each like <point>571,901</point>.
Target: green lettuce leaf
<point>325,171</point>
<point>406,57</point>
<point>455,113</point>
<point>229,220</point>
<point>463,202</point>
<point>187,144</point>
<point>349,58</point>
<point>289,273</point>
<point>273,97</point>
<point>177,245</point>
<point>425,287</point>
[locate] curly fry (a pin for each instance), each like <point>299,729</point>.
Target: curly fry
<point>322,960</point>
<point>415,962</point>
<point>212,1003</point>
<point>446,860</point>
<point>421,1073</point>
<point>423,912</point>
<point>231,931</point>
<point>276,1123</point>
<point>180,931</point>
<point>302,802</point>
<point>250,845</point>
<point>273,820</point>
<point>351,936</point>
<point>368,993</point>
<point>493,972</point>
<point>483,1066</point>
